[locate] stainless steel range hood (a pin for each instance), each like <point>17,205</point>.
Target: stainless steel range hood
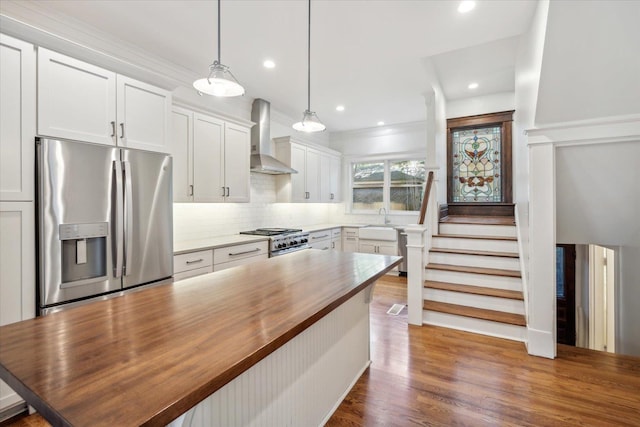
<point>261,159</point>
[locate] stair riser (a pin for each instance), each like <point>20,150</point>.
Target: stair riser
<point>503,263</point>
<point>490,281</point>
<point>478,301</point>
<point>478,229</point>
<point>478,326</point>
<point>475,244</point>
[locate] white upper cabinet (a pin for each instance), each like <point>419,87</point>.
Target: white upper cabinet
<point>143,115</point>
<point>17,119</point>
<point>312,183</point>
<point>80,101</point>
<point>237,154</point>
<point>181,148</point>
<point>210,158</point>
<point>335,176</point>
<point>329,178</point>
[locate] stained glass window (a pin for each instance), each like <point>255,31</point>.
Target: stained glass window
<point>477,165</point>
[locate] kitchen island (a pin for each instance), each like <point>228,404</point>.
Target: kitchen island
<point>276,342</point>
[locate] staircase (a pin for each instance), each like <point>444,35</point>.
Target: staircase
<point>473,280</point>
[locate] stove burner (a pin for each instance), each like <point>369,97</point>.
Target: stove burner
<point>283,240</point>
<point>271,231</point>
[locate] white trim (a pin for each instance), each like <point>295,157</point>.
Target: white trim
<point>586,132</point>
<point>344,395</point>
<point>540,343</point>
<point>386,130</point>
<point>215,113</point>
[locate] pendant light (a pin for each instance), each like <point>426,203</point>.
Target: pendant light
<point>220,82</point>
<point>310,121</point>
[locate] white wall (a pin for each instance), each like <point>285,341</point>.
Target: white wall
<point>591,61</point>
<point>405,137</point>
<point>598,202</point>
<point>493,103</point>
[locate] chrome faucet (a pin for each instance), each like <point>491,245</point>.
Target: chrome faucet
<point>386,219</point>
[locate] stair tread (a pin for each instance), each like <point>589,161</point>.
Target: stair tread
<point>476,252</point>
<point>476,270</point>
<point>480,220</point>
<point>472,236</point>
<point>477,313</point>
<point>476,290</point>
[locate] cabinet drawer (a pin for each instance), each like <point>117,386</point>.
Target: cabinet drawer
<point>232,253</point>
<point>316,236</point>
<point>192,273</point>
<point>336,233</point>
<point>351,232</point>
<point>192,261</point>
<point>242,261</point>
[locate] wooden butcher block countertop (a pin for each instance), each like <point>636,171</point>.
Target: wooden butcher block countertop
<point>147,357</point>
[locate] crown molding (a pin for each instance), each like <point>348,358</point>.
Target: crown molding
<point>602,130</point>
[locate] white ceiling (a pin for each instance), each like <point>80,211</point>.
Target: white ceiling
<point>365,55</point>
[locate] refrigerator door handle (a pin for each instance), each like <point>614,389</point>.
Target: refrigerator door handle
<point>119,220</point>
<point>128,205</point>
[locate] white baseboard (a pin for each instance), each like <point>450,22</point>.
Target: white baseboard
<point>541,343</point>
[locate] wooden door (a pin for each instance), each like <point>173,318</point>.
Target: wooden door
<point>566,294</point>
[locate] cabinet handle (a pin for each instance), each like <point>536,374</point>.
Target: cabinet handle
<point>190,190</point>
<point>122,129</point>
<point>331,197</point>
<point>333,245</point>
<point>113,129</point>
<point>195,261</point>
<point>223,191</point>
<point>227,191</point>
<point>245,252</point>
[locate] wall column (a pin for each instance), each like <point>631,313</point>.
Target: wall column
<point>542,254</point>
<point>415,272</point>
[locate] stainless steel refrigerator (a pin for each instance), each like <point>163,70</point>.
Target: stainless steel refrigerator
<point>104,220</point>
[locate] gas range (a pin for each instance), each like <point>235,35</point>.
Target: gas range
<point>283,240</point>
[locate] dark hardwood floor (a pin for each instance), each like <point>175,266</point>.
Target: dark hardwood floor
<point>424,376</point>
<point>430,376</point>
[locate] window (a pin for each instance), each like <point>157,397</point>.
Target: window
<point>396,185</point>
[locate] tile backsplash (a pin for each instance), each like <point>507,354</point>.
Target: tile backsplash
<point>193,221</point>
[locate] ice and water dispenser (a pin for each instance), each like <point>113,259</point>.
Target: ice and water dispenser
<point>84,252</point>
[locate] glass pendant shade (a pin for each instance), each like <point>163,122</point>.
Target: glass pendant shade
<point>310,123</point>
<point>220,82</point>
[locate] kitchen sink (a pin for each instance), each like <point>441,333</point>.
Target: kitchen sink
<point>378,232</point>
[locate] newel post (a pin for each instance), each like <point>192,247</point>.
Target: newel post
<point>415,272</point>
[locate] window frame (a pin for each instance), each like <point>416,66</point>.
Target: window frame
<point>386,185</point>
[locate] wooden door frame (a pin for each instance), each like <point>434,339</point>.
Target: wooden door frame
<point>569,298</point>
<point>503,119</point>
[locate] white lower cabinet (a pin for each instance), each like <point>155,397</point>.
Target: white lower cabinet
<point>192,264</point>
<point>350,239</point>
<point>17,275</point>
<point>326,239</point>
<point>320,240</point>
<point>378,247</point>
<point>336,239</point>
<point>232,256</point>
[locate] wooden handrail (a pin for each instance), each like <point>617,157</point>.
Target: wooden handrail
<point>425,199</point>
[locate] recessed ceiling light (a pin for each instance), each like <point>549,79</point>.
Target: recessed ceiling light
<point>473,85</point>
<point>380,123</point>
<point>340,108</point>
<point>269,64</point>
<point>466,6</point>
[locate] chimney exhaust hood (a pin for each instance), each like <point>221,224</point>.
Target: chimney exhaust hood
<point>261,159</point>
